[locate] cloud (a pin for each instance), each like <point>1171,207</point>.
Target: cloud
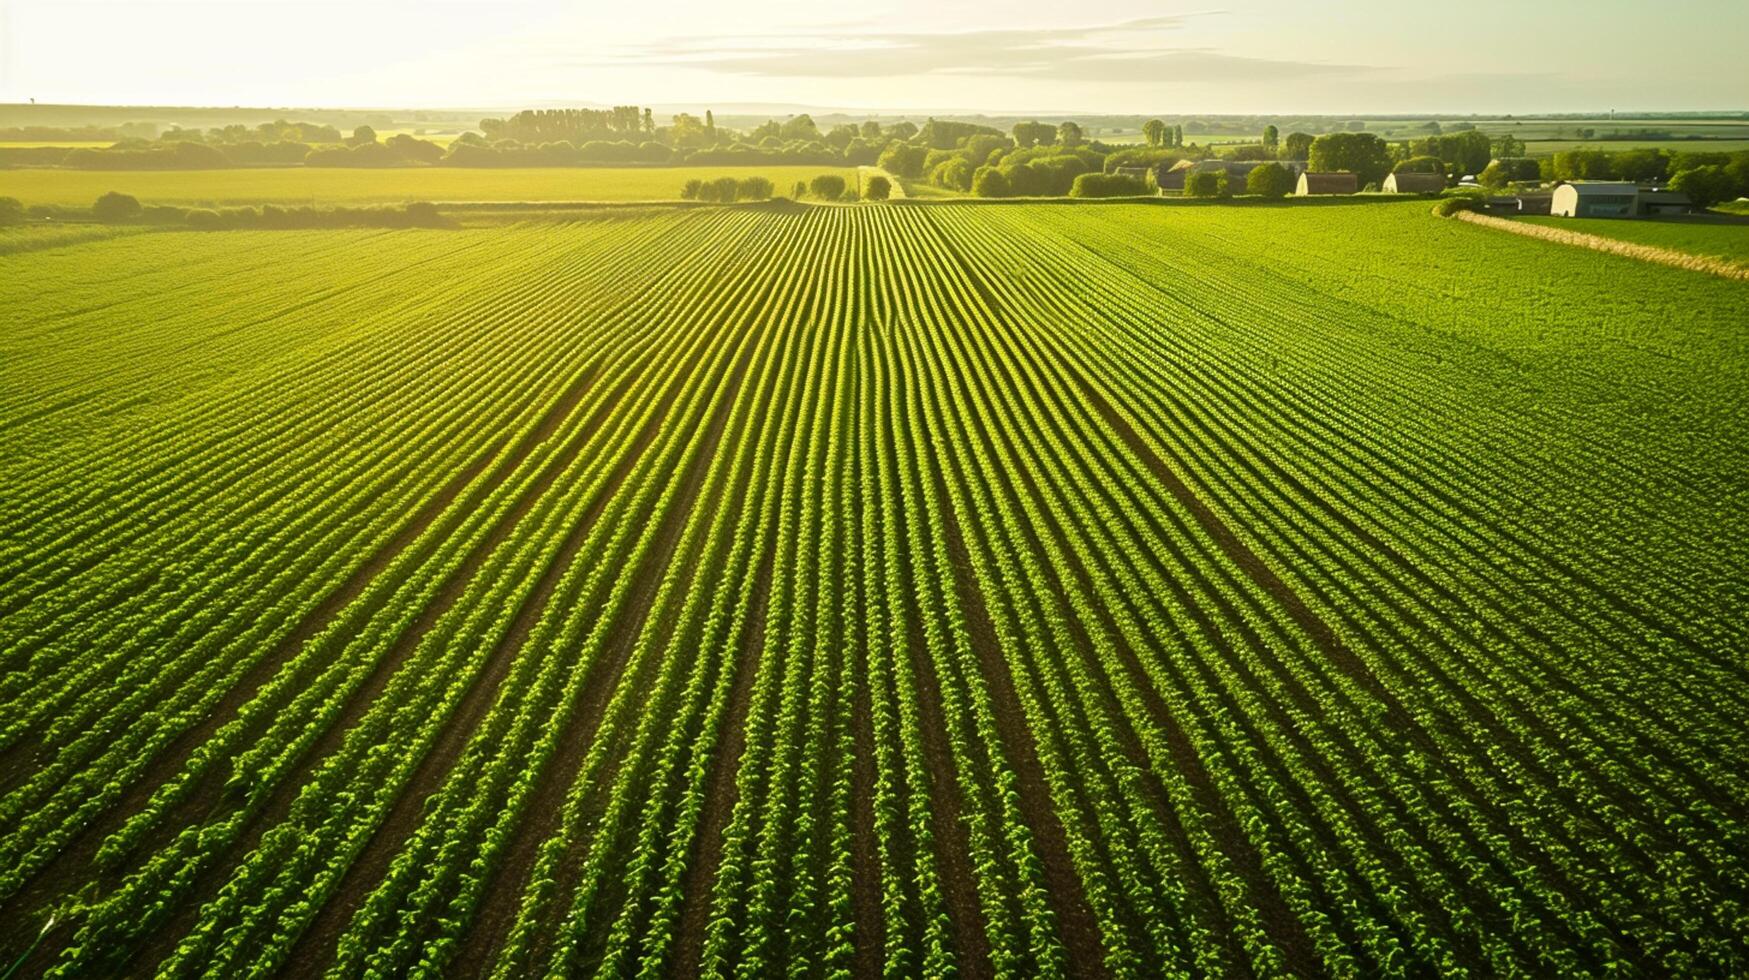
<point>1129,51</point>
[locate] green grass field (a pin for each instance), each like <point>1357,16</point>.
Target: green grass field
<point>1696,236</point>
<point>316,185</point>
<point>1115,591</point>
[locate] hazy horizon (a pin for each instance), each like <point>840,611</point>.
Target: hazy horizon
<point>1112,56</point>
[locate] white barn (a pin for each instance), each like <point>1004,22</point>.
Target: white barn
<point>1596,200</point>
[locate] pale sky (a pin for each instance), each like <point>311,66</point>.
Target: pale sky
<point>1233,56</point>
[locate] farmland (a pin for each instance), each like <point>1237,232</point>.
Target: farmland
<point>881,590</point>
<point>317,185</point>
<point>1713,237</point>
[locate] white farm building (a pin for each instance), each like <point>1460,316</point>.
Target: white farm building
<point>1614,200</point>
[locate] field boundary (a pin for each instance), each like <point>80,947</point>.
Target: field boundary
<point>1614,246</point>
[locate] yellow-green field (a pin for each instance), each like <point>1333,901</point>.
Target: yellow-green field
<point>300,185</point>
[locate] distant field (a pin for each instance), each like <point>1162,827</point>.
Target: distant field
<point>298,185</point>
<point>69,144</point>
<point>1543,148</point>
<point>1720,240</point>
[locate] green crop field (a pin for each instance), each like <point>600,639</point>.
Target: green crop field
<point>1697,236</point>
<point>928,590</point>
<point>319,185</point>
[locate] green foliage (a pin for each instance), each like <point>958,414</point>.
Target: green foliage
<point>1499,173</point>
<point>1270,180</point>
<point>1154,132</point>
<point>1028,134</point>
<point>1420,165</point>
<point>115,206</point>
<point>1107,185</point>
<point>827,187</point>
<point>1363,154</point>
<point>1706,186</point>
<point>1297,146</point>
<point>877,188</point>
<point>1206,183</point>
<point>991,182</point>
<point>11,211</point>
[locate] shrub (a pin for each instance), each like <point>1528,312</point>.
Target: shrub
<point>1206,183</point>
<point>423,214</point>
<point>1420,165</point>
<point>1449,206</point>
<point>1705,186</point>
<point>114,206</point>
<point>204,219</point>
<point>878,188</point>
<point>1269,180</point>
<point>753,189</point>
<point>1107,185</point>
<point>827,187</point>
<point>990,182</point>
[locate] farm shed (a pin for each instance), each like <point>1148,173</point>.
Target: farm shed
<point>1664,202</point>
<point>1330,183</point>
<point>1414,183</point>
<point>1172,178</point>
<point>1599,199</point>
<point>1534,203</point>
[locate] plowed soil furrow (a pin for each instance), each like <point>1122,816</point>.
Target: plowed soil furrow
<point>723,792</point>
<point>478,695</point>
<point>498,907</point>
<point>57,877</point>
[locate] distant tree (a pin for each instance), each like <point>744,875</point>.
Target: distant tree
<point>827,187</point>
<point>871,130</point>
<point>904,159</point>
<point>1705,186</point>
<point>1356,126</point>
<point>1584,165</point>
<point>363,134</point>
<point>1178,135</point>
<point>689,190</point>
<point>1107,185</point>
<point>11,211</point>
<point>1499,173</point>
<point>413,149</point>
<point>990,182</point>
<point>1420,165</point>
<point>1645,166</point>
<point>723,190</point>
<point>1154,131</point>
<point>839,137</point>
<point>1298,146</point>
<point>710,124</point>
<point>878,188</point>
<point>753,189</point>
<point>902,130</point>
<point>1270,180</point>
<point>1206,183</point>
<point>1247,151</point>
<point>1363,154</point>
<point>799,128</point>
<point>116,207</point>
<point>1271,137</point>
<point>1069,133</point>
<point>1509,146</point>
<point>1033,133</point>
<point>799,191</point>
